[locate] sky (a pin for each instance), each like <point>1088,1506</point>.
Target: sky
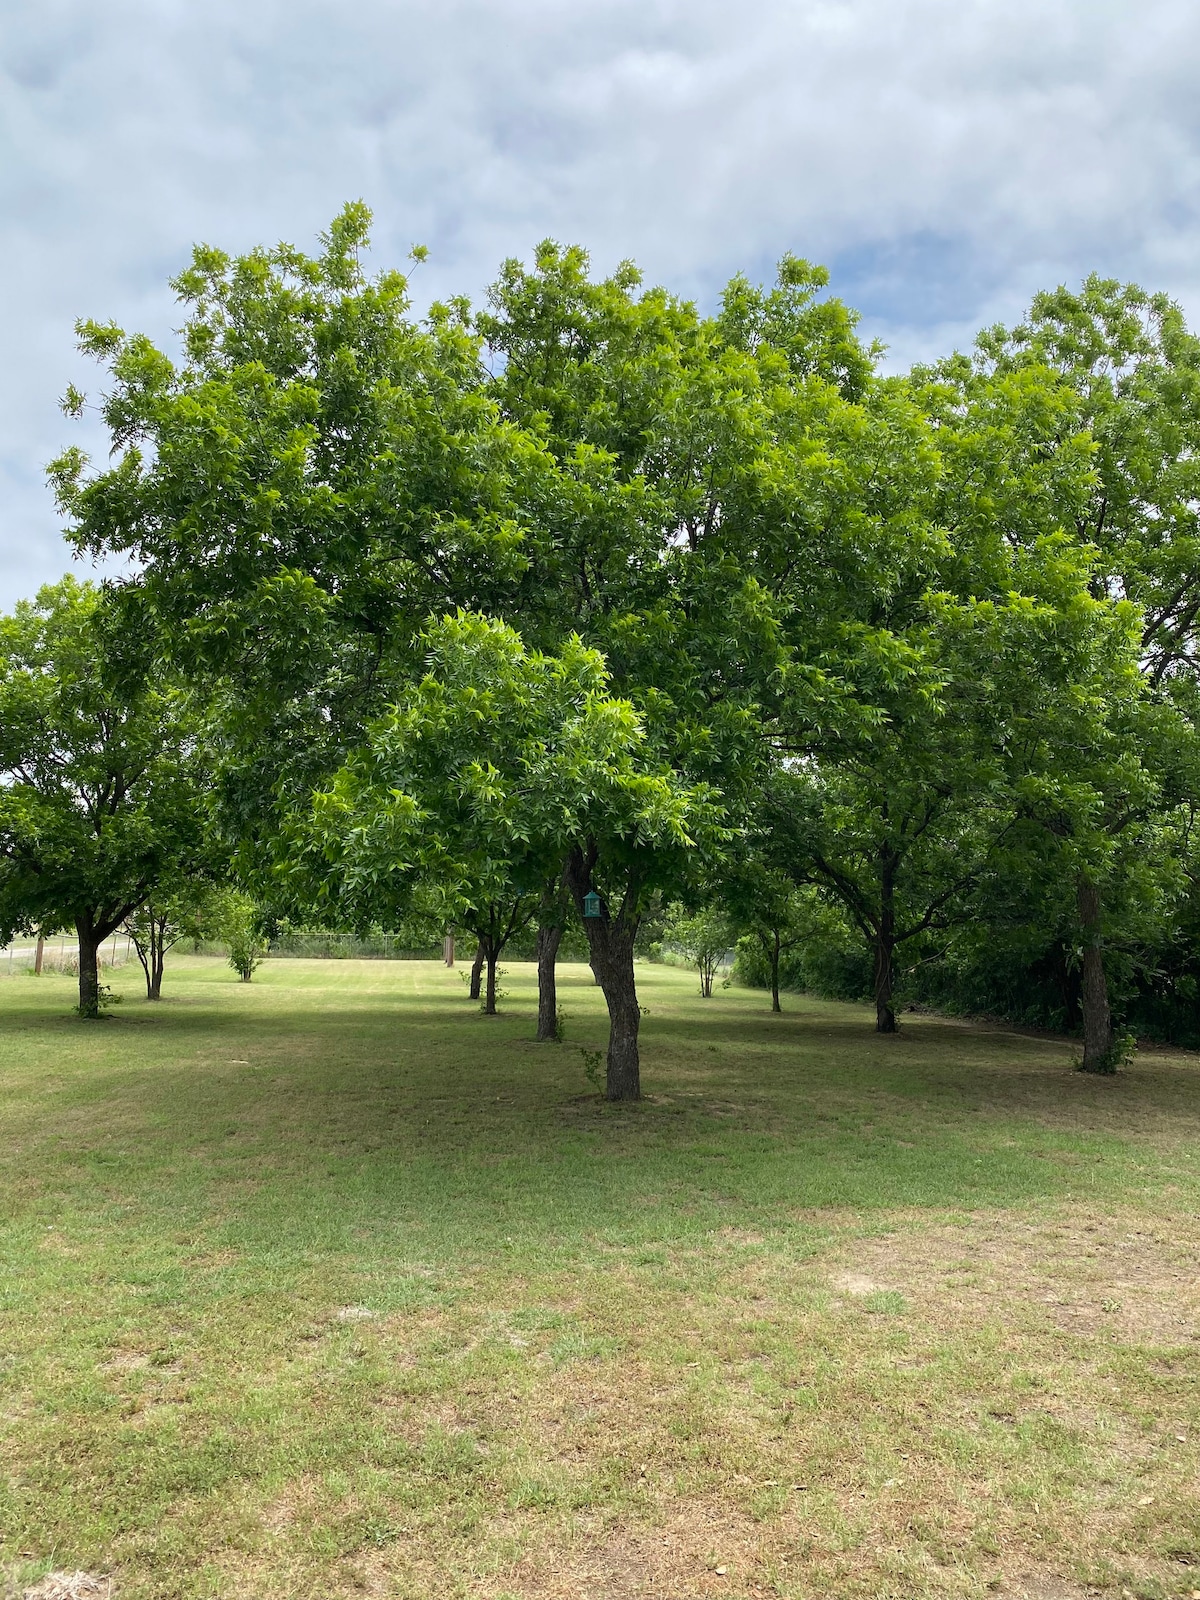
<point>944,158</point>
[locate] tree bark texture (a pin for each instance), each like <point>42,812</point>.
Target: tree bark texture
<point>477,972</point>
<point>775,1006</point>
<point>610,951</point>
<point>89,968</point>
<point>549,939</point>
<point>39,954</point>
<point>1097,1017</point>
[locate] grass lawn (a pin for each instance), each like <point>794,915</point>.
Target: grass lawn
<point>329,1286</point>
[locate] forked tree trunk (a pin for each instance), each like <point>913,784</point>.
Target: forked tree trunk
<point>1097,1017</point>
<point>549,939</point>
<point>152,953</point>
<point>89,969</point>
<point>477,972</point>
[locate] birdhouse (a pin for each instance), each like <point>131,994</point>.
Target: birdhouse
<point>591,904</point>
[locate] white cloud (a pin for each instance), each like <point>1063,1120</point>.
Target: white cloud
<point>946,159</point>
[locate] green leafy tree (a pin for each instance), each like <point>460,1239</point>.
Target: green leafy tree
<point>238,924</point>
<point>1130,368</point>
<point>500,766</point>
<point>104,779</point>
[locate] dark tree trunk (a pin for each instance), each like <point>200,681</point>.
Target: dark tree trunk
<point>491,956</point>
<point>885,946</point>
<point>154,977</point>
<point>775,1006</point>
<point>610,951</point>
<point>1097,1018</point>
<point>885,1015</point>
<point>89,969</point>
<point>549,939</point>
<point>477,971</point>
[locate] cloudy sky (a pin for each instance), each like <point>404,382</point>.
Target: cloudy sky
<point>944,157</point>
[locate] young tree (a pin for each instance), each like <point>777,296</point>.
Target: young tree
<point>763,891</point>
<point>505,767</point>
<point>104,779</point>
<point>170,912</point>
<point>237,922</point>
<point>704,937</point>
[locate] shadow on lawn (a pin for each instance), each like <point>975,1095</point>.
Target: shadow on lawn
<point>319,1117</point>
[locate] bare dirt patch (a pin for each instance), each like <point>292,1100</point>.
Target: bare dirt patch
<point>1123,1276</point>
<point>1032,1584</point>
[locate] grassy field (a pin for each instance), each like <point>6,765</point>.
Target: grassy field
<point>329,1286</point>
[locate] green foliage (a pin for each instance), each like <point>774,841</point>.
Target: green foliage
<point>928,641</point>
<point>237,923</point>
<point>475,787</point>
<point>593,1068</point>
<point>704,937</point>
<point>104,785</point>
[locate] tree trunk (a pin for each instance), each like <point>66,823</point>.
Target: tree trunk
<point>610,951</point>
<point>491,955</point>
<point>154,977</point>
<point>89,970</point>
<point>477,972</point>
<point>448,949</point>
<point>144,957</point>
<point>885,1016</point>
<point>885,944</point>
<point>1097,1018</point>
<point>38,954</point>
<point>775,1006</point>
<point>549,939</point>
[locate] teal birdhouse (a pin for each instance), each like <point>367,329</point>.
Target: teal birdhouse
<point>591,904</point>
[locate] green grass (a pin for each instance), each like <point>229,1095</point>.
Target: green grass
<point>328,1285</point>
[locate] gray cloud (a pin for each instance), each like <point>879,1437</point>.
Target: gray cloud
<point>944,159</point>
